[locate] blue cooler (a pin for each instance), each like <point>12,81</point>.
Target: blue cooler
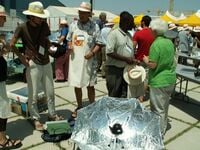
<point>19,101</point>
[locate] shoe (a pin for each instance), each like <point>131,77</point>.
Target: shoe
<point>36,124</point>
<point>58,81</point>
<point>74,113</point>
<point>55,118</point>
<point>141,99</point>
<point>11,144</point>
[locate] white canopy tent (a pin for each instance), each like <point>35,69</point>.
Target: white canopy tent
<point>69,13</point>
<point>181,17</point>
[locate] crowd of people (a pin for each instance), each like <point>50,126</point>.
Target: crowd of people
<point>135,60</point>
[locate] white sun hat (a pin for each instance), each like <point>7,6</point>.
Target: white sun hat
<point>196,29</point>
<point>2,11</point>
<point>110,22</point>
<point>172,26</point>
<point>63,21</point>
<point>36,9</point>
<point>180,29</point>
<point>85,7</point>
<point>186,27</point>
<point>134,75</point>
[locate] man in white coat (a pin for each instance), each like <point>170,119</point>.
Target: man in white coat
<point>83,43</point>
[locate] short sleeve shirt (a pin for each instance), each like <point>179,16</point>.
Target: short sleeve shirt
<point>91,28</point>
<point>104,34</point>
<point>144,39</point>
<point>162,53</point>
<point>64,32</point>
<point>183,41</point>
<point>36,37</point>
<point>121,43</point>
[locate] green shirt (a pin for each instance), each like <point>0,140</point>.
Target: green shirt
<point>162,53</point>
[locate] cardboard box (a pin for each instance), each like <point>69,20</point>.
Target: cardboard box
<point>19,101</point>
<point>16,108</point>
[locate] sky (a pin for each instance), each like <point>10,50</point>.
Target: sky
<point>135,7</point>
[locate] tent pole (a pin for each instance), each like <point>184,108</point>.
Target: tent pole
<point>91,2</point>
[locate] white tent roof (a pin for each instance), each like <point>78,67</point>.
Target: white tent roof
<point>181,17</point>
<point>74,11</point>
<point>69,13</point>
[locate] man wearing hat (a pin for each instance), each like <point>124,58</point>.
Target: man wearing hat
<point>34,34</point>
<point>83,38</point>
<point>101,23</point>
<point>5,143</point>
<point>172,34</point>
<point>184,43</point>
<point>104,34</point>
<point>62,62</point>
<point>102,20</point>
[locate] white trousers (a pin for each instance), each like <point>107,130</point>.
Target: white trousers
<point>159,103</point>
<point>40,77</point>
<point>4,101</point>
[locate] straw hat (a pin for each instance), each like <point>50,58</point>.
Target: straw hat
<point>196,29</point>
<point>110,22</point>
<point>36,9</point>
<point>63,21</point>
<point>134,75</point>
<point>172,26</point>
<point>2,11</point>
<point>186,27</point>
<point>180,29</point>
<point>85,7</point>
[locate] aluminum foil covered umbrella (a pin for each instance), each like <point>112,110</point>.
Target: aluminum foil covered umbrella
<point>117,124</point>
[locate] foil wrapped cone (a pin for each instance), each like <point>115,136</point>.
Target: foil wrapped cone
<point>138,128</point>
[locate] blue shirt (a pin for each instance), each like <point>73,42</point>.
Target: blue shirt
<point>64,32</point>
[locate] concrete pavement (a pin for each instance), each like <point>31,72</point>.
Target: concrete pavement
<point>184,119</point>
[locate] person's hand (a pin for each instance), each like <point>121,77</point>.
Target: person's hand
<point>70,51</point>
<point>52,49</point>
<point>3,51</point>
<point>146,59</point>
<point>70,46</point>
<point>24,60</point>
<point>29,54</point>
<point>89,55</point>
<point>131,60</point>
<point>4,47</point>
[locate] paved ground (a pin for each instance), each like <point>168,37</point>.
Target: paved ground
<point>184,119</point>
